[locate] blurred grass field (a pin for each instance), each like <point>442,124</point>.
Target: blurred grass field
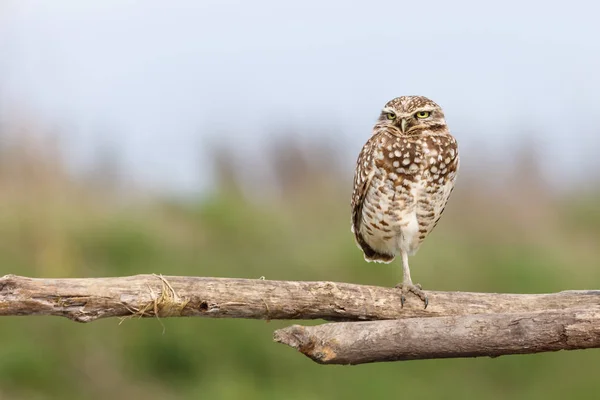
<point>514,238</point>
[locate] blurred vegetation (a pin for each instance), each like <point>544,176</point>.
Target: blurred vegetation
<point>517,237</point>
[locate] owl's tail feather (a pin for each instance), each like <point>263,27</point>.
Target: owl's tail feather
<point>372,255</point>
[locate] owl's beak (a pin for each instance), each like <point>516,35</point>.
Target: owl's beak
<point>403,123</point>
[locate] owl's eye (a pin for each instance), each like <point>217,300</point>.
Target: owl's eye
<point>423,114</point>
<point>391,116</point>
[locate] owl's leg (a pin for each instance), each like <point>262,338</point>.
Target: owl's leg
<point>407,284</point>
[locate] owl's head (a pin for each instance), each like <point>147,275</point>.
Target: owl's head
<point>410,115</point>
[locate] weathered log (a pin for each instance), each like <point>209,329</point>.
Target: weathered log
<point>455,324</point>
<point>479,335</point>
<point>88,299</point>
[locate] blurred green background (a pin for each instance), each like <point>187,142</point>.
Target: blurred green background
<point>517,236</point>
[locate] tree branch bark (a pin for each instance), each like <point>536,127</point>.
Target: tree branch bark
<point>455,324</point>
<point>489,335</point>
<point>88,299</point>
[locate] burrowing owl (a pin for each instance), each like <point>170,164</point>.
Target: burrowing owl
<point>403,179</point>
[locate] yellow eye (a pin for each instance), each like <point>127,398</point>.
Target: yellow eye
<point>423,114</point>
<point>391,116</point>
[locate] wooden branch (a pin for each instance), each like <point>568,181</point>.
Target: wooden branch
<point>454,325</point>
<point>444,337</point>
<point>88,299</point>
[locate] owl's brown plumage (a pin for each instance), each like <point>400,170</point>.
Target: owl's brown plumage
<point>403,179</point>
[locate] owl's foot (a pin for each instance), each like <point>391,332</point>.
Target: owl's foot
<point>414,289</point>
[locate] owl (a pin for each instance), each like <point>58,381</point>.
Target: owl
<point>404,176</point>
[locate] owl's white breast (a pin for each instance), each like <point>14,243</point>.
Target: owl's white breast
<point>389,220</point>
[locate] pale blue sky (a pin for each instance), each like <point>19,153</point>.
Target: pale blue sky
<point>158,75</point>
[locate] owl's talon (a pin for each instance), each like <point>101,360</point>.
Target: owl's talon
<point>414,289</point>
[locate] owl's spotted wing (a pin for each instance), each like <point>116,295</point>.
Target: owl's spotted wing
<point>363,178</point>
<point>363,174</point>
